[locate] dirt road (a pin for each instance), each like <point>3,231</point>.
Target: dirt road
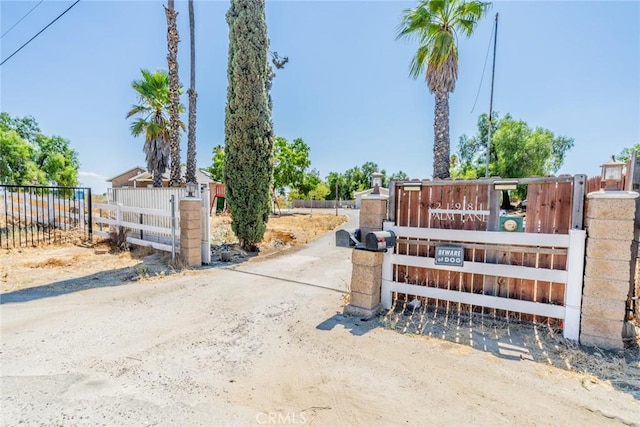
<point>264,343</point>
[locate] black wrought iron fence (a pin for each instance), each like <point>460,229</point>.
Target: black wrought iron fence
<point>33,215</point>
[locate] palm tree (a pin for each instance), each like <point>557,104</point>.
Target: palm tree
<point>174,94</point>
<point>193,96</point>
<point>152,120</point>
<point>435,24</point>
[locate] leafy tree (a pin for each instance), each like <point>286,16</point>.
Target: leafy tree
<point>320,192</point>
<point>248,167</point>
<point>28,157</point>
<point>308,189</point>
<point>291,160</point>
<point>309,182</point>
<point>397,176</point>
<point>15,153</point>
<point>356,179</point>
<point>57,160</point>
<point>626,153</point>
<point>193,96</point>
<point>174,94</point>
<point>152,120</point>
<point>216,170</point>
<point>518,151</point>
<point>435,24</point>
<point>26,127</point>
<point>368,169</point>
<point>337,182</point>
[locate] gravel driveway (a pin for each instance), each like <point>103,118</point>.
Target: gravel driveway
<point>264,343</point>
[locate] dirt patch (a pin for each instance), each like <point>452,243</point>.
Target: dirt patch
<point>514,340</point>
<point>80,265</point>
<point>67,265</point>
<point>284,231</point>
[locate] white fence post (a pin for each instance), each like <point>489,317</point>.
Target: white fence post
<point>387,272</point>
<point>173,227</point>
<point>118,218</point>
<point>205,224</point>
<point>573,290</point>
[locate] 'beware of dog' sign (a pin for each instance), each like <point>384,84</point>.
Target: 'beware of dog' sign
<point>449,255</point>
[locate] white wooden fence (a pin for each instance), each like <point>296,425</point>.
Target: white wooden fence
<point>111,218</point>
<point>143,206</point>
<point>572,276</point>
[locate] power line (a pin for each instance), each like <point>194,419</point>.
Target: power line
<point>20,20</point>
<point>484,67</point>
<point>39,32</point>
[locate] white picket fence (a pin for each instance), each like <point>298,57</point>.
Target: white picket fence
<point>574,242</point>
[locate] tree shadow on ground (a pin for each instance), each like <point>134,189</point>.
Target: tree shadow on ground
<point>518,341</point>
<point>150,266</point>
<point>118,277</point>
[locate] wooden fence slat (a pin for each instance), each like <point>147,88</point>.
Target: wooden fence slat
<point>427,217</point>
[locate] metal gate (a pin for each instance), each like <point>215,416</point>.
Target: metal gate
<point>33,215</point>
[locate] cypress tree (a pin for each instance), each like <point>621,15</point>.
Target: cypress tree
<point>248,167</point>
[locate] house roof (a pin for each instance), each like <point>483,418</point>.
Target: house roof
<point>126,172</point>
<point>202,177</point>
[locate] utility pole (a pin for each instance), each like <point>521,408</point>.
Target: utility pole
<point>493,73</point>
<point>336,196</point>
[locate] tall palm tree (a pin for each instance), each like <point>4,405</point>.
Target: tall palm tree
<point>193,96</point>
<point>174,94</point>
<point>435,24</point>
<point>152,120</point>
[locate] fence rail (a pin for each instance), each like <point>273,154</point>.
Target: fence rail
<point>33,215</point>
<point>410,274</point>
<point>146,213</point>
<point>112,219</point>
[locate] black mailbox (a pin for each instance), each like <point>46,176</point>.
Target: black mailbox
<point>347,238</point>
<point>379,240</point>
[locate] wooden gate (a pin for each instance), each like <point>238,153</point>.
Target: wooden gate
<point>534,271</point>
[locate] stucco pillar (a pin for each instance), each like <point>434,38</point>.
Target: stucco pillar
<point>373,212</point>
<point>366,279</point>
<point>609,266</point>
<point>190,248</point>
<point>366,271</point>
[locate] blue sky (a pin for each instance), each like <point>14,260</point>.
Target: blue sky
<point>572,67</point>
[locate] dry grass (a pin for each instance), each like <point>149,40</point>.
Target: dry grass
<point>300,228</point>
<point>283,231</point>
<point>55,262</point>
